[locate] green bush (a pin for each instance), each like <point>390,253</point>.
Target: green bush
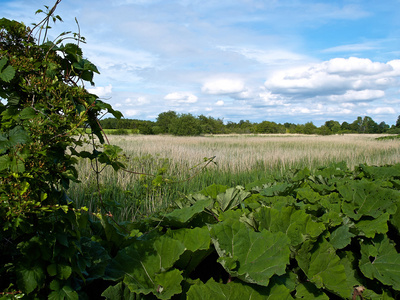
<point>47,245</point>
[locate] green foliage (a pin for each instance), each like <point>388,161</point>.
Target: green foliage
<point>46,246</point>
<point>305,236</point>
<point>185,124</point>
<point>169,123</point>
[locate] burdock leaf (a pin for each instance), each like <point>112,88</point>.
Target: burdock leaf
<point>142,266</point>
<point>323,268</point>
<point>236,290</point>
<point>341,237</point>
<point>374,226</point>
<point>252,256</point>
<point>381,261</point>
<point>365,198</point>
<point>296,224</point>
<point>180,217</point>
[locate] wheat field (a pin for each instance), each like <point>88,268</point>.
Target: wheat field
<point>239,159</point>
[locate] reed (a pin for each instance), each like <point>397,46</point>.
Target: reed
<point>240,159</point>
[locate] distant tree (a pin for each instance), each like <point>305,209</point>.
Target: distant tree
<point>383,127</point>
<point>164,121</point>
<point>309,128</point>
<point>324,130</point>
<point>211,125</point>
<point>334,126</point>
<point>185,124</point>
<point>290,127</point>
<point>369,125</point>
<point>109,123</point>
<point>246,126</point>
<point>398,122</point>
<point>345,126</point>
<point>269,127</point>
<point>357,125</point>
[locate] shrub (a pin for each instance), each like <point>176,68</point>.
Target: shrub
<point>46,249</point>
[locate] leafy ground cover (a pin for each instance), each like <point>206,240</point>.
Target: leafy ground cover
<point>328,234</point>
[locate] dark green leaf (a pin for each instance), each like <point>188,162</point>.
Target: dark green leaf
<point>374,226</point>
<point>30,278</point>
<point>142,263</point>
<point>341,237</point>
<point>323,268</point>
<point>296,224</point>
<point>180,217</point>
<point>381,261</point>
<point>365,198</point>
<point>231,198</point>
<point>252,256</point>
<point>236,290</point>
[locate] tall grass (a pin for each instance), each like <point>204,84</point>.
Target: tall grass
<point>238,160</point>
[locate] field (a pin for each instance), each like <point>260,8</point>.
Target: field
<point>239,160</point>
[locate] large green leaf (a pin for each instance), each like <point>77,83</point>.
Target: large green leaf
<point>64,292</point>
<point>341,237</point>
<point>349,261</point>
<point>322,267</point>
<point>197,246</point>
<point>252,256</point>
<point>18,135</point>
<point>145,267</point>
<point>277,189</point>
<point>381,261</point>
<point>307,290</point>
<point>193,238</point>
<point>395,218</point>
<point>119,292</point>
<point>30,278</point>
<point>365,198</point>
<point>235,291</point>
<point>231,198</point>
<point>381,172</point>
<point>296,224</point>
<point>213,190</point>
<point>7,73</point>
<point>180,217</point>
<point>374,226</point>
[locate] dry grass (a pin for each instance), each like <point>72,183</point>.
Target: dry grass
<point>238,153</point>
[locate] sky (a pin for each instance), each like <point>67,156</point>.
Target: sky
<point>277,60</point>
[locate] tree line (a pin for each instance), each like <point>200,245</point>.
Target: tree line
<point>187,124</point>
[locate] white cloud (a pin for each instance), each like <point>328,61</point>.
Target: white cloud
<point>219,103</point>
<point>101,91</point>
<point>352,78</point>
<point>139,101</point>
<point>269,57</point>
<point>352,48</point>
<point>181,97</point>
<point>221,86</point>
<point>381,110</point>
<point>270,99</point>
<point>354,66</point>
<point>364,95</point>
<point>131,113</point>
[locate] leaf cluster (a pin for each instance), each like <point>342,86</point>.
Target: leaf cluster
<point>328,234</point>
<point>45,241</point>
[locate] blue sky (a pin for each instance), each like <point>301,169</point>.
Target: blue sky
<point>283,61</point>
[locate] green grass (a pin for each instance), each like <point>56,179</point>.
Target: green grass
<point>239,160</point>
